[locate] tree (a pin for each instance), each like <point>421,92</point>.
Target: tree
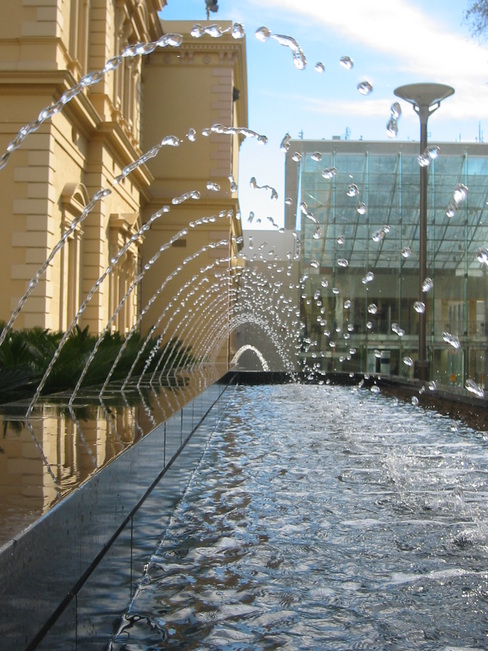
<point>477,15</point>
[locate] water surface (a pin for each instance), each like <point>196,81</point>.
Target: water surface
<point>324,518</point>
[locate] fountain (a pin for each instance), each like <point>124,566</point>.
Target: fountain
<point>124,436</point>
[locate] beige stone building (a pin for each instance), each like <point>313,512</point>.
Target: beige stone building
<point>49,180</point>
<point>186,92</point>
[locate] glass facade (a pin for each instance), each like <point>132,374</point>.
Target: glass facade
<point>357,220</point>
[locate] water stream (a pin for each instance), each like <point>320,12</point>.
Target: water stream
<point>323,517</point>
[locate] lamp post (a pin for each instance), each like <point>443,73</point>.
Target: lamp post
<point>211,5</point>
<point>425,98</point>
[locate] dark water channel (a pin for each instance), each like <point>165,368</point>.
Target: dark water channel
<point>323,518</point>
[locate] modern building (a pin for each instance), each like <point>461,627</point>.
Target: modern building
<point>357,216</point>
<point>93,137</point>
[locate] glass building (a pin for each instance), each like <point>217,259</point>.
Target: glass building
<point>357,222</point>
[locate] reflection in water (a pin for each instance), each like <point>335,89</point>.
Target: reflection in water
<point>323,518</point>
<point>46,456</point>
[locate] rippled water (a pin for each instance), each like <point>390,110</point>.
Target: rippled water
<point>323,518</point>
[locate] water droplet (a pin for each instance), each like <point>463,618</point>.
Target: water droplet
<point>397,330</point>
<point>424,160</point>
<point>452,340</point>
<point>433,151</point>
<point>130,51</point>
<point>346,62</point>
<point>474,388</point>
<point>215,31</point>
<point>378,236</point>
<point>329,173</point>
<point>451,210</point>
<point>336,291</point>
<point>315,264</point>
<point>297,157</point>
<point>432,385</point>
<point>419,307</point>
<point>101,194</point>
<point>299,60</point>
<point>112,64</point>
<point>396,110</point>
<point>3,160</point>
<point>375,389</point>
<point>415,401</point>
<point>427,285</point>
<point>214,187</point>
<point>482,255</point>
<point>372,308</point>
<point>285,143</point>
<point>392,128</point>
<point>460,193</point>
<point>171,40</point>
<point>377,354</point>
<point>191,135</point>
<point>342,262</point>
<point>341,239</point>
<point>317,233</point>
<point>406,252</point>
<point>369,325</point>
<point>317,156</point>
<point>171,141</point>
<point>352,190</point>
<point>233,184</point>
<point>408,361</point>
<point>361,208</point>
<point>288,201</point>
<point>365,88</point>
<point>238,31</point>
<point>368,278</point>
<point>324,282</point>
<point>263,34</point>
<point>319,67</point>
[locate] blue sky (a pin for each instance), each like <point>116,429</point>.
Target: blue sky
<point>391,42</point>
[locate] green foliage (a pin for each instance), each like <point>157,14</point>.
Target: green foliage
<point>477,16</point>
<point>26,355</point>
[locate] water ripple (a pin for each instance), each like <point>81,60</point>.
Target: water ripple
<point>323,517</point>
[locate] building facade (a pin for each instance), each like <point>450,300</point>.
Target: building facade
<point>47,183</point>
<point>187,92</point>
<point>96,246</point>
<point>357,213</point>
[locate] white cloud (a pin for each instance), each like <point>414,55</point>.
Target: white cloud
<point>410,37</point>
<point>413,45</point>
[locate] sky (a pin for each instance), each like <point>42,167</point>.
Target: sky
<point>391,43</point>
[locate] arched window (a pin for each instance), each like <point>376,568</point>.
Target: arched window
<point>73,200</point>
<point>122,303</point>
<point>128,75</point>
<point>78,42</point>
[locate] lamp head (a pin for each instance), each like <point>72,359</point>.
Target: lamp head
<point>424,95</point>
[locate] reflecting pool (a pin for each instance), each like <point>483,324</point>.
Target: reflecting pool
<point>46,456</point>
<point>323,517</point>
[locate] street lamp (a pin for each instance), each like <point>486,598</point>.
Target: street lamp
<point>211,5</point>
<point>425,98</point>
